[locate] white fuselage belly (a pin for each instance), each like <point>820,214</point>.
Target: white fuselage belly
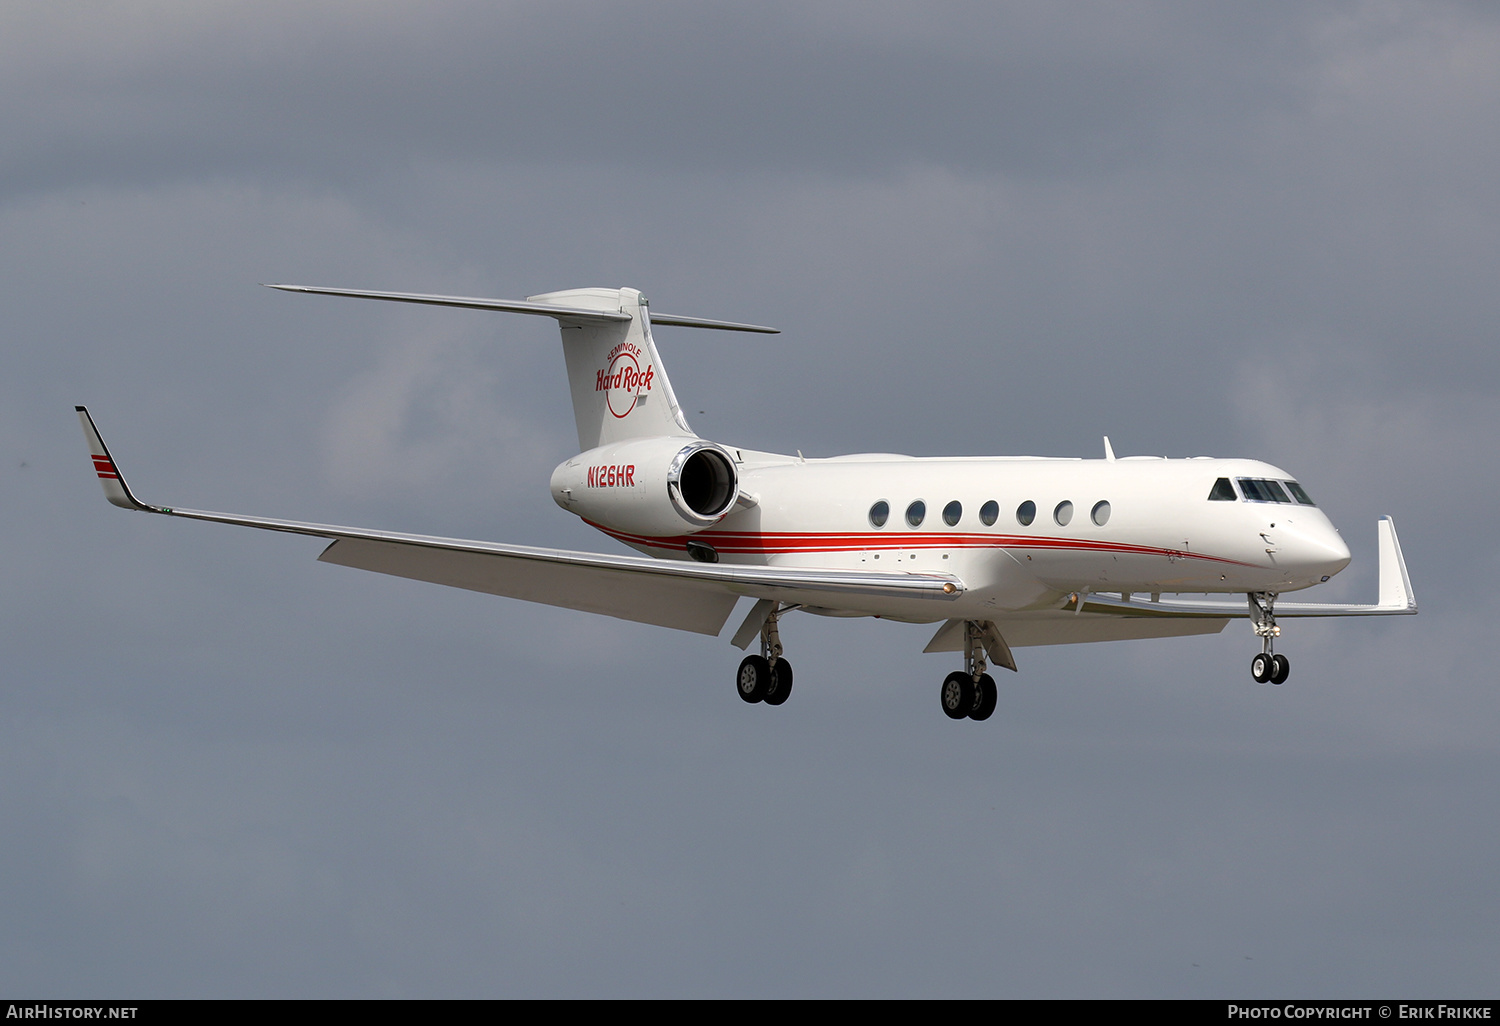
<point>1162,534</point>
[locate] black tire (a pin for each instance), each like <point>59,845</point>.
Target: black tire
<point>753,679</point>
<point>957,695</point>
<point>986,697</point>
<point>1261,667</point>
<point>1281,669</point>
<point>781,683</point>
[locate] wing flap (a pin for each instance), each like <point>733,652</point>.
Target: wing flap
<point>1066,628</point>
<point>684,604</point>
<point>1062,627</point>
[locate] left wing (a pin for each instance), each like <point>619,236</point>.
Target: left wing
<point>670,593</point>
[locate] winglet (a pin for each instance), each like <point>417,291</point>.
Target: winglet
<point>115,488</point>
<point>1395,582</point>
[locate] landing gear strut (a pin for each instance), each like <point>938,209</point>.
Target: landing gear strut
<point>766,677</point>
<point>970,693</point>
<point>1267,666</point>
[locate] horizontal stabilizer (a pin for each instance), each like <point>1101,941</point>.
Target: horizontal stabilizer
<point>468,303</point>
<point>526,307</point>
<point>704,322</point>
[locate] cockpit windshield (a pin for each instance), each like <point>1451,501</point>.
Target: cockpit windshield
<point>1260,489</point>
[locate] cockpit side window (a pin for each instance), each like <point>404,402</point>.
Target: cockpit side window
<point>1223,491</point>
<point>1299,493</point>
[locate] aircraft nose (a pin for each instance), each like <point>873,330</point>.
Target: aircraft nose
<point>1317,550</point>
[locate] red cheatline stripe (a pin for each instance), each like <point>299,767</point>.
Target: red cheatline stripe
<point>103,474</point>
<point>770,543</point>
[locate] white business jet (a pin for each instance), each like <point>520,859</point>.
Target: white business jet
<point>1000,552</point>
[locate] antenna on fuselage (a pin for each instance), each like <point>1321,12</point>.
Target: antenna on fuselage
<point>1109,452</point>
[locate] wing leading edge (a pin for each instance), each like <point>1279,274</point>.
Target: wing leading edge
<point>684,595</point>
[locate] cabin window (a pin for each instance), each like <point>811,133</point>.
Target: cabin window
<point>880,513</point>
<point>916,513</point>
<point>1063,514</point>
<point>1223,491</point>
<point>1299,494</point>
<point>953,512</point>
<point>1100,514</point>
<point>989,513</point>
<point>1026,513</point>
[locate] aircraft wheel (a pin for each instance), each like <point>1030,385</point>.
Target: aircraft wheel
<point>986,697</point>
<point>1280,670</point>
<point>754,678</point>
<point>957,695</point>
<point>781,683</point>
<point>1261,668</point>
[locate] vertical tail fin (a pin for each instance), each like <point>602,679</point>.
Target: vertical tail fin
<point>620,389</point>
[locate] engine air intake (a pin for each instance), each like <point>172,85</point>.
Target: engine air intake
<point>703,483</point>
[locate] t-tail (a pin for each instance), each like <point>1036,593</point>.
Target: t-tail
<point>619,387</point>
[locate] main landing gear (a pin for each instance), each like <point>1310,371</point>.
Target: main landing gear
<point>1267,666</point>
<point>766,677</point>
<point>970,693</point>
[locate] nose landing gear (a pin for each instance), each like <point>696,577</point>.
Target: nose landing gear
<point>970,693</point>
<point>1267,666</point>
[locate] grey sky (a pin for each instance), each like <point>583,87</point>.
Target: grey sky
<point>1270,230</point>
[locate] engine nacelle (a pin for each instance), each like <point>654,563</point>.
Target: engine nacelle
<point>650,486</point>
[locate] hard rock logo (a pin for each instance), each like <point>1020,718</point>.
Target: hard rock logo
<point>623,382</point>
